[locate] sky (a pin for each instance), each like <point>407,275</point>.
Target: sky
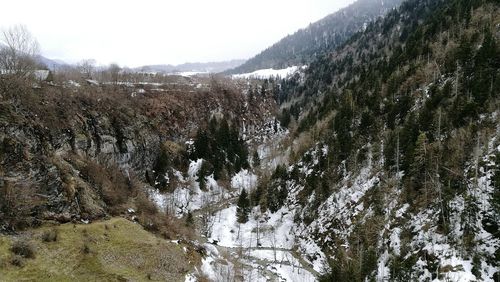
<point>136,33</point>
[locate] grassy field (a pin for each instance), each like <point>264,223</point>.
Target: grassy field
<point>112,250</point>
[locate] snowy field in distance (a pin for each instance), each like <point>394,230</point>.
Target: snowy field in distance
<point>268,73</point>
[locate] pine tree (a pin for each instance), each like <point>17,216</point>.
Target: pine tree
<point>189,219</point>
<point>201,145</point>
<point>263,89</point>
<point>256,159</point>
<point>203,172</point>
<point>223,134</point>
<point>243,208</point>
<point>496,187</point>
<point>419,164</point>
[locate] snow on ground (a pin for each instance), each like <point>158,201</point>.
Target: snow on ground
<point>308,247</point>
<point>191,73</point>
<point>273,255</point>
<point>448,248</point>
<point>189,197</point>
<point>268,73</point>
<point>395,241</point>
<point>337,212</point>
<point>190,278</point>
<point>244,180</point>
<point>275,230</point>
<point>291,273</point>
<point>216,268</point>
<point>208,268</point>
<point>264,263</point>
<point>254,274</point>
<point>269,140</point>
<point>72,83</point>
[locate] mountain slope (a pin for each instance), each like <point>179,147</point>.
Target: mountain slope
<point>322,36</point>
<point>211,67</point>
<point>50,63</point>
<point>111,250</point>
<point>397,144</point>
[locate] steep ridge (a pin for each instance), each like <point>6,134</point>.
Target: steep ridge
<point>320,37</point>
<point>80,152</point>
<point>403,123</point>
<point>388,170</point>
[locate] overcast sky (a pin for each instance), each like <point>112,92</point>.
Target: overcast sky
<point>135,33</point>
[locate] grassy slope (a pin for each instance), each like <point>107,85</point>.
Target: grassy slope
<point>120,250</point>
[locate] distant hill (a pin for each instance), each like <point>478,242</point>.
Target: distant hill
<point>319,37</point>
<point>212,67</point>
<point>51,64</point>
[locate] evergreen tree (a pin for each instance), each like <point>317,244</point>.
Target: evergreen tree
<point>201,145</point>
<point>419,165</point>
<point>256,159</point>
<point>212,125</point>
<point>160,168</point>
<point>189,219</point>
<point>202,174</point>
<point>223,135</point>
<point>162,163</point>
<point>263,89</point>
<point>496,187</point>
<point>243,207</point>
<point>251,94</point>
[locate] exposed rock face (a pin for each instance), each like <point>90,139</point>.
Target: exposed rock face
<point>48,141</point>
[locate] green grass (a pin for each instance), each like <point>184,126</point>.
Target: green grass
<point>117,250</point>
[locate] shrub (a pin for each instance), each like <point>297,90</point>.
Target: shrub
<point>23,248</point>
<point>50,235</point>
<point>17,260</point>
<point>144,205</point>
<point>86,249</point>
<point>113,185</point>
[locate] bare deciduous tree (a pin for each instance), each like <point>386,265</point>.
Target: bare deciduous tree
<point>114,71</point>
<point>18,51</point>
<point>87,68</point>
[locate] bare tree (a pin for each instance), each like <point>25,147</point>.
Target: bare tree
<point>114,71</point>
<point>87,68</point>
<point>18,51</point>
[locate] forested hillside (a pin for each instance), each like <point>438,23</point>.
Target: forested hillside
<point>318,38</point>
<point>403,121</point>
<point>379,161</point>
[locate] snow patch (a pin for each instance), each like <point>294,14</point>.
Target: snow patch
<point>268,73</point>
<point>244,180</point>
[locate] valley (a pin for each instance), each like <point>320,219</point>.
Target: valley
<point>364,147</point>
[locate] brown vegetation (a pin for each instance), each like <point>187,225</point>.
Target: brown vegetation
<point>23,248</point>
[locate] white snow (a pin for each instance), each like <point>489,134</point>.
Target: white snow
<point>268,73</point>
<point>244,180</point>
<point>190,278</point>
<point>274,256</point>
<point>275,230</point>
<point>395,242</point>
<point>462,270</point>
<point>73,83</point>
<point>188,196</point>
<point>207,267</point>
<point>291,273</point>
<point>191,73</point>
<point>217,269</point>
<point>211,250</point>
